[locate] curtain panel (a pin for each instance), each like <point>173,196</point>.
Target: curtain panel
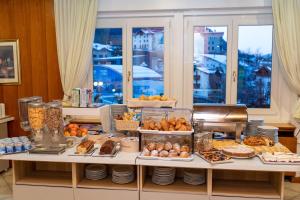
<point>286,15</point>
<point>75,22</point>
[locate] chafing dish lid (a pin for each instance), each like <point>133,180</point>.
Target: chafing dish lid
<point>221,113</point>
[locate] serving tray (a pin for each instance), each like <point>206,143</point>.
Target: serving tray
<point>191,158</point>
<point>277,163</point>
<point>115,151</point>
<point>214,162</point>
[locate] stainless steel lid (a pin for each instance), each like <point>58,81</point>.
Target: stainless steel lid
<point>36,104</point>
<point>221,113</point>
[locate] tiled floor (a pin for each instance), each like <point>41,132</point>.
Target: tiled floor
<point>292,190</point>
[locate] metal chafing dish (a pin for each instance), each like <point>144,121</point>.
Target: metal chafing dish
<point>230,119</point>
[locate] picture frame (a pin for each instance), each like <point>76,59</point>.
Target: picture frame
<point>10,62</point>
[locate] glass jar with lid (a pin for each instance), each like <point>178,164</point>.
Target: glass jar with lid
<point>36,118</point>
<point>23,110</point>
<point>54,121</point>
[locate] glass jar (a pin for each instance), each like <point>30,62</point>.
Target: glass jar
<point>54,119</point>
<point>23,110</point>
<point>36,115</point>
<point>198,125</point>
<point>203,141</point>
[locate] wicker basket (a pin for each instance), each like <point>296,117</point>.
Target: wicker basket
<point>125,125</point>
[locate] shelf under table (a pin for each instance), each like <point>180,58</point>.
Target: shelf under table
<point>46,178</point>
<point>177,187</point>
<point>106,184</point>
<point>261,189</point>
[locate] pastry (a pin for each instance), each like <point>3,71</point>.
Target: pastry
<point>172,128</point>
<point>107,148</point>
<point>154,153</point>
<point>160,146</point>
<point>215,156</point>
<point>163,153</point>
<point>164,125</point>
<point>185,148</point>
<point>176,147</point>
<point>168,146</point>
<point>152,125</point>
<point>172,124</point>
<point>173,153</point>
<point>146,152</point>
<point>184,154</point>
<point>151,146</point>
<point>258,140</point>
<point>172,121</point>
<point>85,147</point>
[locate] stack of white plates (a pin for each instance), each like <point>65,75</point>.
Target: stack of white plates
<point>95,172</point>
<point>163,175</point>
<point>122,174</point>
<point>194,176</point>
<point>252,124</point>
<point>270,131</point>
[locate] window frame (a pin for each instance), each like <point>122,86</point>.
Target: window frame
<point>232,22</point>
<point>190,23</point>
<point>126,24</point>
<point>257,20</point>
<point>144,23</point>
<point>113,23</point>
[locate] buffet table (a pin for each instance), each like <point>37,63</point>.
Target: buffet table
<point>58,177</point>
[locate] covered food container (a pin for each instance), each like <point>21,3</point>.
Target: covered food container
<point>228,119</point>
<point>166,133</point>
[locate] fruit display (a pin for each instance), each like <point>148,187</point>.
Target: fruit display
<point>75,130</point>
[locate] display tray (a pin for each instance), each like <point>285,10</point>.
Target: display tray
<point>117,149</point>
<point>49,150</point>
<point>136,103</point>
<point>214,162</point>
<point>191,158</point>
<point>276,162</point>
<point>89,153</point>
<point>165,132</point>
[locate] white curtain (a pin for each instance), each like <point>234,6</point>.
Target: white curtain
<point>75,22</point>
<point>286,15</point>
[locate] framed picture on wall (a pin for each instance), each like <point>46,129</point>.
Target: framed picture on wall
<point>9,62</point>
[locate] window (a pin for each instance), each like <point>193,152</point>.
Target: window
<point>237,67</point>
<point>148,62</point>
<point>107,71</point>
<point>142,69</point>
<point>255,66</point>
<point>209,66</point>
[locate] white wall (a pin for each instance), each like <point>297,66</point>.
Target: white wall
<point>177,10</point>
<point>142,5</point>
